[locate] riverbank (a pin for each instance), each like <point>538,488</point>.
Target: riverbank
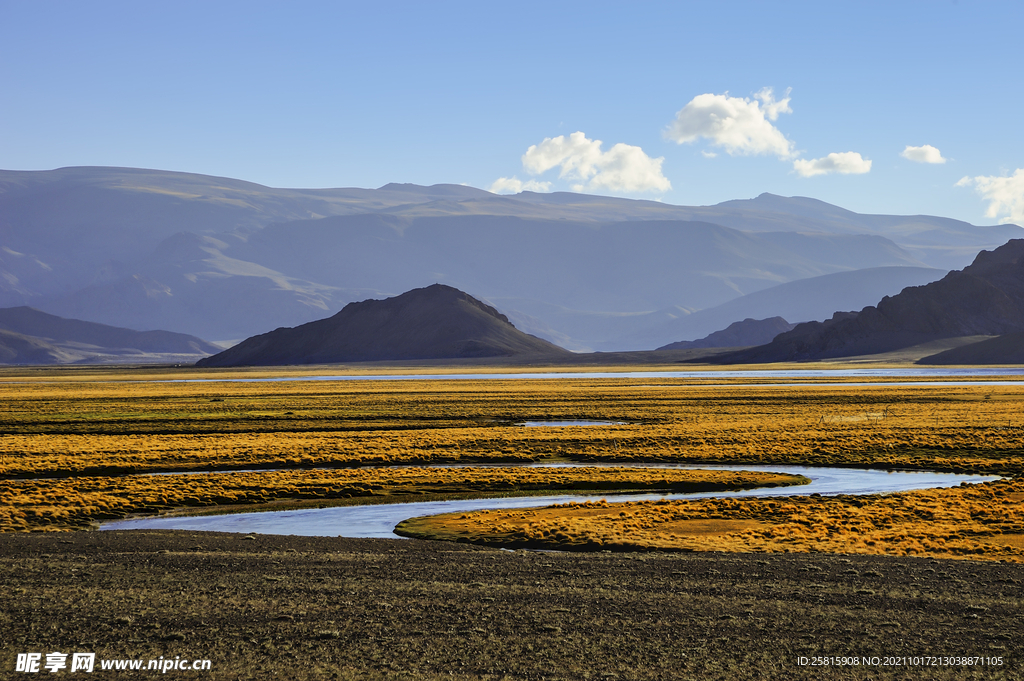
<point>981,522</point>
<point>80,502</point>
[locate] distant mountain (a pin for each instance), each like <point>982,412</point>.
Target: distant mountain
<point>984,299</point>
<point>290,273</point>
<point>738,335</point>
<point>620,267</point>
<point>436,322</point>
<point>224,259</point>
<point>29,336</point>
<point>938,242</point>
<point>803,300</point>
<point>16,348</point>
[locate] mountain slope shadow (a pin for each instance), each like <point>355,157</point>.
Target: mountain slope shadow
<point>984,299</point>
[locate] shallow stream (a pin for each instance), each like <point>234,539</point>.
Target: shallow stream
<point>379,520</point>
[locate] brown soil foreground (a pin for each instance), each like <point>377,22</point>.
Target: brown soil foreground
<point>301,608</point>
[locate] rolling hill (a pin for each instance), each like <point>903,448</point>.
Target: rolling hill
<point>435,322</point>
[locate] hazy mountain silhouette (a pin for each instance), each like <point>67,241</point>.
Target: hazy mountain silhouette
<point>30,336</point>
<point>622,267</point>
<point>984,299</point>
<point>738,335</point>
<point>223,259</point>
<point>16,348</point>
<point>436,322</point>
<point>803,300</point>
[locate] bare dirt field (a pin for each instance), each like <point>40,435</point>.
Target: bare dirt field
<point>263,607</point>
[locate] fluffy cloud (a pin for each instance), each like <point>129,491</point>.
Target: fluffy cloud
<point>513,185</point>
<point>623,168</point>
<point>923,154</point>
<point>738,125</point>
<point>1004,194</point>
<point>845,163</point>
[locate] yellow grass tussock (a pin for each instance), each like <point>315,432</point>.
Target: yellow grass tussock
<point>974,521</point>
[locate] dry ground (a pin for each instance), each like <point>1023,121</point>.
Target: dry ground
<point>326,608</point>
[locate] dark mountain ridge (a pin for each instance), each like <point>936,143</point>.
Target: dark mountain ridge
<point>984,299</point>
<point>16,348</point>
<point>802,300</point>
<point>435,322</point>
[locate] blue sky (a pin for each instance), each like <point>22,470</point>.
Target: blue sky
<point>362,94</point>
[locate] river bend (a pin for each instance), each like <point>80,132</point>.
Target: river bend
<point>379,520</point>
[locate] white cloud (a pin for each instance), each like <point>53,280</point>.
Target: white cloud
<point>627,168</point>
<point>513,185</point>
<point>580,160</point>
<point>576,155</point>
<point>708,154</point>
<point>739,125</point>
<point>923,154</point>
<point>845,163</point>
<point>1004,194</point>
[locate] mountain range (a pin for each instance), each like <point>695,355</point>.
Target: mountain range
<point>29,336</point>
<point>224,259</point>
<point>801,300</point>
<point>984,299</point>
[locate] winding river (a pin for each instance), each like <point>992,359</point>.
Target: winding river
<point>379,520</point>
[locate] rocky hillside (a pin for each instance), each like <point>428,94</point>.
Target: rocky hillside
<point>436,322</point>
<point>984,299</point>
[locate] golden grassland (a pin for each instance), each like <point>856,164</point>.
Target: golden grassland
<point>93,431</point>
<point>75,503</point>
<point>76,428</point>
<point>977,521</point>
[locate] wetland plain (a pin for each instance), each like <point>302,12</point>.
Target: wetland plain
<point>699,588</point>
